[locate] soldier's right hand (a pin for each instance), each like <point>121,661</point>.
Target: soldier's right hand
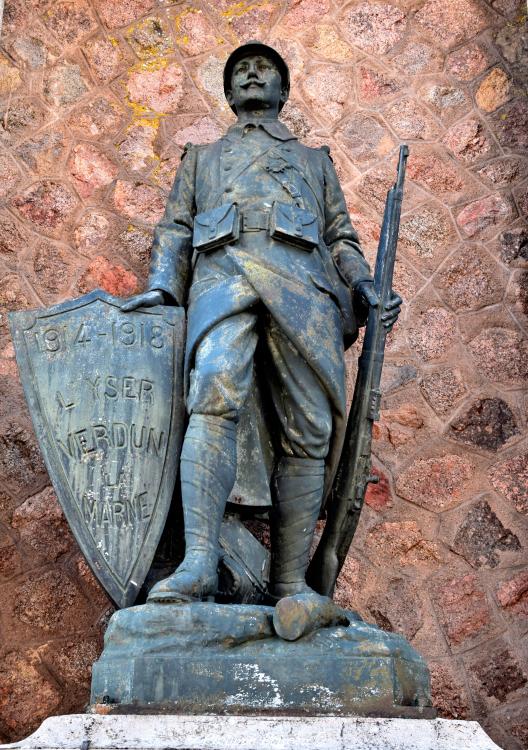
<point>145,299</point>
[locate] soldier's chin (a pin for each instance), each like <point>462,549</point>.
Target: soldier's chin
<point>254,101</point>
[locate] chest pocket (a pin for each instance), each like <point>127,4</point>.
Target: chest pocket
<point>294,225</point>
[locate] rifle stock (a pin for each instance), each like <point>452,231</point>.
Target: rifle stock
<point>354,471</point>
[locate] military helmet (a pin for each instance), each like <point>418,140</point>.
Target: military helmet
<point>256,48</point>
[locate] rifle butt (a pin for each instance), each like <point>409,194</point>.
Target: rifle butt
<point>323,570</point>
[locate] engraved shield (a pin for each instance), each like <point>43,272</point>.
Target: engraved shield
<point>105,391</point>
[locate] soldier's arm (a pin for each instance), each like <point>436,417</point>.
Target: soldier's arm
<point>343,241</point>
<point>170,264</point>
<point>340,236</point>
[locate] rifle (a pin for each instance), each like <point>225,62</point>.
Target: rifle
<point>354,470</point>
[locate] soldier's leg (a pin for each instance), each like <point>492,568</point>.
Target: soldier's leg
<point>219,386</point>
<point>305,415</point>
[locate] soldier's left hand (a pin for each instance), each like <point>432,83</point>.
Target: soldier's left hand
<point>369,298</point>
<point>392,309</point>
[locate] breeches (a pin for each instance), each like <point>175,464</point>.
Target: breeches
<point>222,377</point>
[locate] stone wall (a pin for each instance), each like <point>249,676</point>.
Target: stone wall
<point>97,100</point>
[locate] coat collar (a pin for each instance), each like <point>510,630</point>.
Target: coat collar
<point>275,128</point>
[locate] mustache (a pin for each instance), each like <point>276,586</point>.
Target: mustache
<point>251,82</point>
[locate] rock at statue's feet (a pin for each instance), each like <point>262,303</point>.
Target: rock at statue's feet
<point>298,615</point>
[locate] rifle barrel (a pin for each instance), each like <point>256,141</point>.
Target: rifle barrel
<point>354,470</point>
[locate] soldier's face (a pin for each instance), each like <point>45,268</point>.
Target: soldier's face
<point>255,84</point>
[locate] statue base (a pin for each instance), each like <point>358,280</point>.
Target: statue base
<point>252,733</point>
<point>226,658</point>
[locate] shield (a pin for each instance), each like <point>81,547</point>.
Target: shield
<point>105,392</point>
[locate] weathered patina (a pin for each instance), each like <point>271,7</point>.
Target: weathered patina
<point>227,658</point>
<point>105,393</point>
<point>257,242</point>
<point>257,245</point>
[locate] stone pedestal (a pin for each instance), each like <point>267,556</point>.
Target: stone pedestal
<point>253,733</point>
<point>213,658</point>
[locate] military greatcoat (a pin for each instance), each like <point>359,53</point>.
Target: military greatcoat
<point>259,168</point>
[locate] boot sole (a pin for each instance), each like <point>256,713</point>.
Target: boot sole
<point>177,598</point>
<point>171,599</point>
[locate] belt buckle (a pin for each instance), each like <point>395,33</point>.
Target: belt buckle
<point>253,221</point>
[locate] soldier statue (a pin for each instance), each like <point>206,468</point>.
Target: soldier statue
<point>257,242</point>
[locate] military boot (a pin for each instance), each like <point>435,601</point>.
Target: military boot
<point>208,471</point>
<point>298,490</point>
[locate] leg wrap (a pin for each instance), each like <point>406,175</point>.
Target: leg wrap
<point>298,494</point>
<point>208,472</point>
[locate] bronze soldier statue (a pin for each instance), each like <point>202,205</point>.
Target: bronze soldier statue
<point>257,242</point>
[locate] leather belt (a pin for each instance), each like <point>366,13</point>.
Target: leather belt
<point>254,221</point>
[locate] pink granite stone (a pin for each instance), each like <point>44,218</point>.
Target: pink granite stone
<point>468,62</point>
<point>411,120</point>
<point>376,86</point>
<point>432,333</point>
<point>65,84</point>
<point>43,153</point>
<point>195,34</point>
<point>501,171</point>
<point>137,148</point>
<point>450,23</point>
<point>501,355</point>
<point>106,58</point>
<point>442,389</point>
<point>150,38</point>
<point>137,200</point>
<point>462,608</point>
<point>436,484</point>
<point>327,88</point>
<point>510,479</point>
<point>374,27</point>
<point>9,175</point>
<point>90,169</point>
<point>27,697</point>
<point>434,171</point>
<point>68,21</point>
<point>417,57</point>
<point>121,12</point>
<point>113,278</point>
<point>47,204</point>
<point>160,89</point>
<point>483,217</point>
<point>469,141</point>
<point>513,594</point>
<point>101,116</point>
<point>302,13</point>
<point>365,138</point>
<point>91,232</point>
<point>470,280</point>
<point>448,102</point>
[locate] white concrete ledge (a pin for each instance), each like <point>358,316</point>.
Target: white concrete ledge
<point>155,732</point>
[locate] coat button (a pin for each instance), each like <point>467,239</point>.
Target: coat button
<point>228,190</point>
